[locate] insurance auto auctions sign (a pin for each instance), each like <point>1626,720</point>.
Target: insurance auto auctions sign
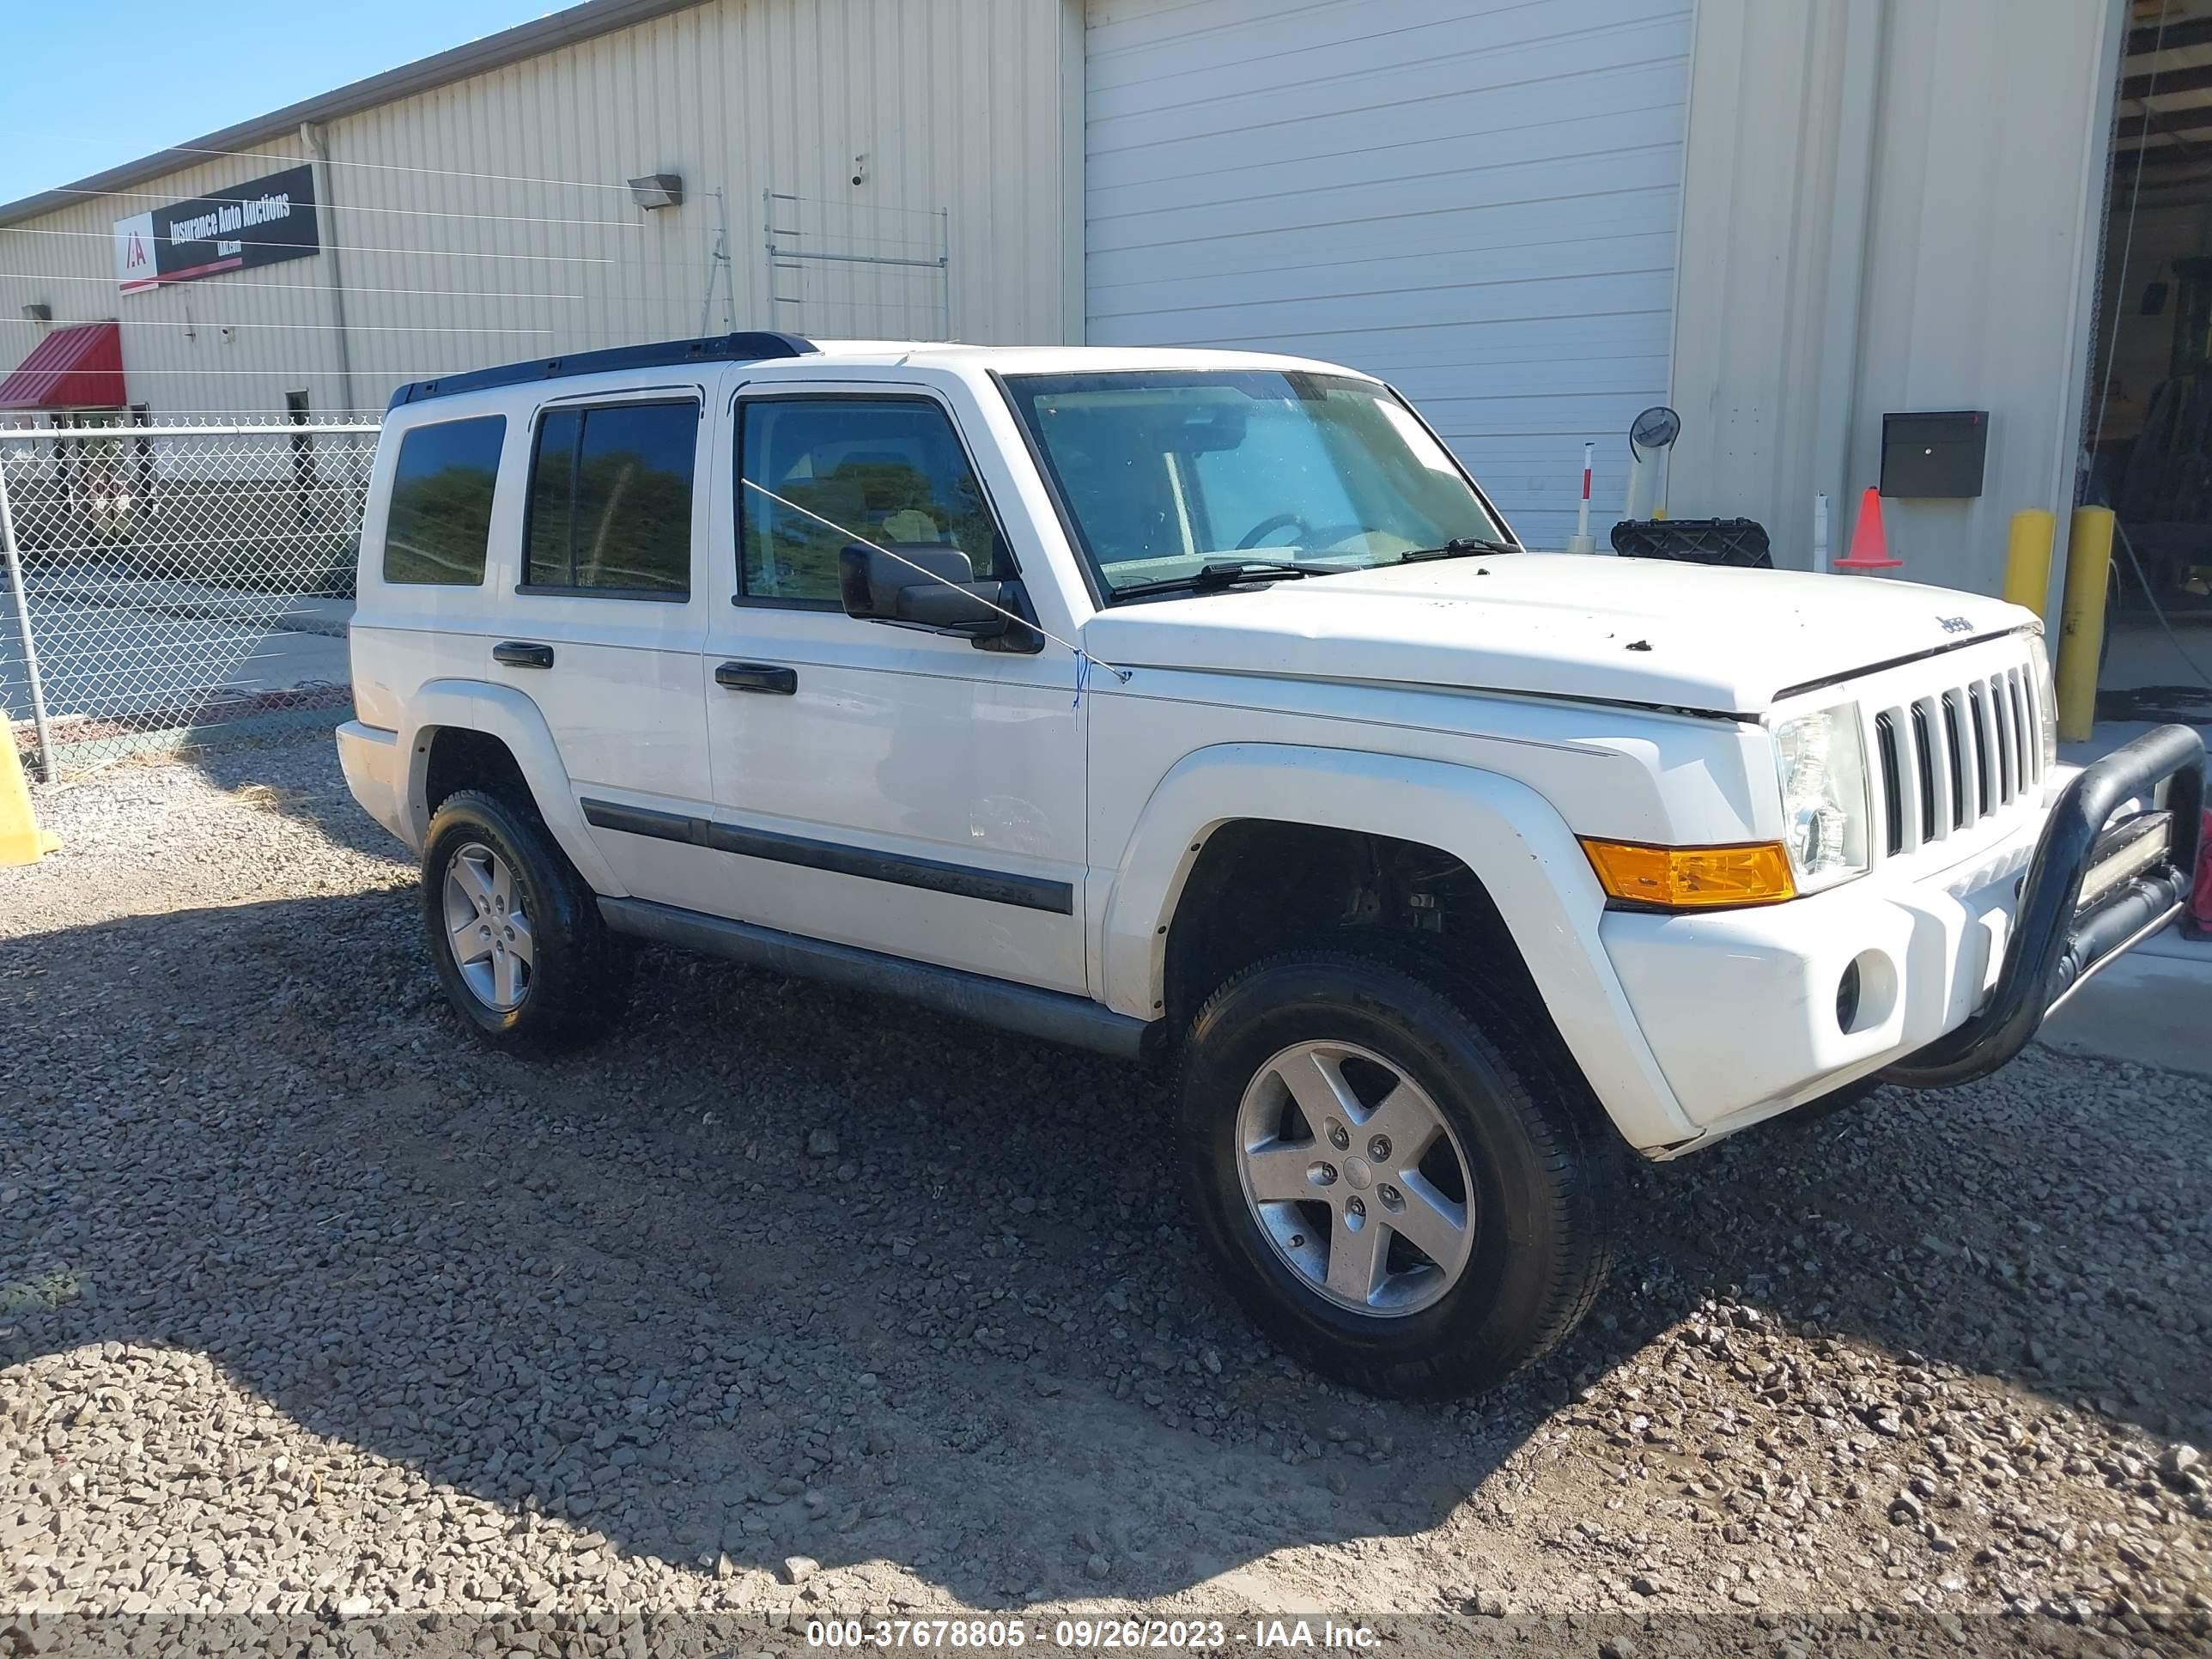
<point>257,223</point>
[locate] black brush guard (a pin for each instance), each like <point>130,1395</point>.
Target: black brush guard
<point>2055,946</point>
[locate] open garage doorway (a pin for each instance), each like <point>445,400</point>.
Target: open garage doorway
<point>2150,411</point>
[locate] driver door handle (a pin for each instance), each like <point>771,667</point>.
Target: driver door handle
<point>519,654</point>
<point>758,676</point>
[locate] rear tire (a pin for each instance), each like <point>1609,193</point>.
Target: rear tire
<point>1350,1261</point>
<point>521,949</point>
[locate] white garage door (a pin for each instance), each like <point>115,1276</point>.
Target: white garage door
<point>1475,199</point>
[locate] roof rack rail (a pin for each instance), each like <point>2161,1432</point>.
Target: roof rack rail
<point>752,347</point>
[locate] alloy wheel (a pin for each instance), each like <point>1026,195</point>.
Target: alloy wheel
<point>487,929</point>
<point>1356,1178</point>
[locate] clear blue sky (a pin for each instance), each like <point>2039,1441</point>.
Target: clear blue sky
<point>91,83</point>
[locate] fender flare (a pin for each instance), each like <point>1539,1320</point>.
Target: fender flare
<point>502,712</point>
<point>1507,834</point>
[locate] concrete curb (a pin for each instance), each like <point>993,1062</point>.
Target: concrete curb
<point>328,617</point>
<point>2153,1006</point>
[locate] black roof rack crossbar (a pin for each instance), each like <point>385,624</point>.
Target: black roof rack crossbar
<point>752,347</point>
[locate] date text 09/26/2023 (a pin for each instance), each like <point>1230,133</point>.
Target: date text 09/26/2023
<point>1086,1635</point>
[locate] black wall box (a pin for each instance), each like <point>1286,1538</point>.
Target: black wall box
<point>1937,454</point>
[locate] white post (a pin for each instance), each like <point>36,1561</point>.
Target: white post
<point>1639,481</point>
<point>23,627</point>
<point>1582,541</point>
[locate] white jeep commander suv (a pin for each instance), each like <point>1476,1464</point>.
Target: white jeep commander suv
<point>1199,704</point>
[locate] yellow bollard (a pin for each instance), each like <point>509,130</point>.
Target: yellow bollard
<point>2028,559</point>
<point>19,840</point>
<point>2081,620</point>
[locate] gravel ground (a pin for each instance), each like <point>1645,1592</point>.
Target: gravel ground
<point>316,1311</point>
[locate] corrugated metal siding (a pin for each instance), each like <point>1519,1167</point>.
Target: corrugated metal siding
<point>176,354</point>
<point>488,220</point>
<point>1962,272</point>
<point>1764,260</point>
<point>1989,164</point>
<point>1474,197</point>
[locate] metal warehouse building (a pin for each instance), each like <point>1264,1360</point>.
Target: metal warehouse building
<point>1789,219</point>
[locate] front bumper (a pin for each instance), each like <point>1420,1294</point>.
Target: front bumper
<point>1930,983</point>
<point>2057,941</point>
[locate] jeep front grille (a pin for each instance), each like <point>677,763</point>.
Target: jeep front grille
<point>1956,756</point>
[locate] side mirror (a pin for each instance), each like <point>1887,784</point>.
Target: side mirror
<point>877,587</point>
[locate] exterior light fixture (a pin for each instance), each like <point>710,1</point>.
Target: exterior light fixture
<point>657,189</point>
<point>37,311</point>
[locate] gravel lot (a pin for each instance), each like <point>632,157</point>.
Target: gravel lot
<point>313,1310</point>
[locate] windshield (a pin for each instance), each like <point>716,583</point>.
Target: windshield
<point>1164,473</point>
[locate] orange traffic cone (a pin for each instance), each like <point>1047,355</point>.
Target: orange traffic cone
<point>1869,550</point>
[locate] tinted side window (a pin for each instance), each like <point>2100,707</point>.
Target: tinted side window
<point>890,471</point>
<point>548,524</point>
<point>442,491</point>
<point>610,499</point>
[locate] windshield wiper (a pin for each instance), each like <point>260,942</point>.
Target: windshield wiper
<point>1458,548</point>
<point>1211,578</point>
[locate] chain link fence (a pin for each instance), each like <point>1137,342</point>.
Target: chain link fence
<point>164,586</point>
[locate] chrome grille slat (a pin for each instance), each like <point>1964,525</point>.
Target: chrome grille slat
<point>2007,757</point>
<point>2000,750</point>
<point>1934,803</point>
<point>1978,720</point>
<point>1909,804</point>
<point>2011,726</point>
<point>1892,805</point>
<point>1956,752</point>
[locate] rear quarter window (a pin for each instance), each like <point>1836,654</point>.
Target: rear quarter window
<point>439,520</point>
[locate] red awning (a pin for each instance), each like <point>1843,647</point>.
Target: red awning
<point>78,367</point>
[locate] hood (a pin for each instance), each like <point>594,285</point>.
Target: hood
<point>1554,624</point>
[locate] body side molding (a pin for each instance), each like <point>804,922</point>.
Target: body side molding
<point>961,880</point>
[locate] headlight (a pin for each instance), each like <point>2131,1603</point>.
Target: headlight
<point>1822,769</point>
<point>2046,708</point>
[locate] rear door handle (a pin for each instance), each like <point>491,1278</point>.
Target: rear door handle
<point>758,677</point>
<point>519,654</point>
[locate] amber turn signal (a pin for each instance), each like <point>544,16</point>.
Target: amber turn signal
<point>1692,878</point>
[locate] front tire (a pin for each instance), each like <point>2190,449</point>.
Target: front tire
<point>521,949</point>
<point>1400,1190</point>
